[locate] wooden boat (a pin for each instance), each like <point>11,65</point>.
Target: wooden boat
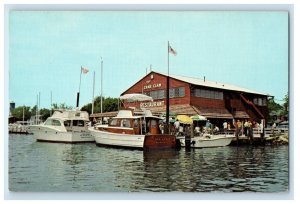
<point>209,140</point>
<point>131,130</point>
<point>63,126</point>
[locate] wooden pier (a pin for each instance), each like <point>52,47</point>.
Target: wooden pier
<point>267,136</point>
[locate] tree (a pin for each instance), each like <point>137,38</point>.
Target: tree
<point>61,106</point>
<point>273,106</point>
<point>286,105</point>
<point>45,113</point>
<point>18,112</point>
<point>108,105</point>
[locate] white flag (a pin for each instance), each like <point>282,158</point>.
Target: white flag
<point>84,70</point>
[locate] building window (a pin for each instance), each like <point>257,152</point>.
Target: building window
<point>177,92</point>
<point>204,93</point>
<point>161,94</point>
<point>260,101</point>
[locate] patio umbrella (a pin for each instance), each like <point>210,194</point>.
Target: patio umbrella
<point>198,118</point>
<point>184,119</point>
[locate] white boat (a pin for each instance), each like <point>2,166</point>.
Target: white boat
<point>208,140</point>
<point>133,131</point>
<point>67,126</point>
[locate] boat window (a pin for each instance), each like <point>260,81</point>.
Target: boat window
<point>67,123</point>
<point>153,123</point>
<point>56,123</point>
<point>80,123</point>
<point>75,122</point>
<point>48,122</point>
<point>135,123</point>
<point>125,123</point>
<point>113,122</point>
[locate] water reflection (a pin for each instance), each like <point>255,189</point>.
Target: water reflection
<point>35,166</point>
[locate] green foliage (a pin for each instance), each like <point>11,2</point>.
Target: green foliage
<point>61,106</point>
<point>45,113</point>
<point>108,105</point>
<point>286,104</point>
<point>18,113</point>
<point>277,109</point>
<point>273,106</point>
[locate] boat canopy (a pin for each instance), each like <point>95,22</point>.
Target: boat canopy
<point>136,97</point>
<point>71,115</point>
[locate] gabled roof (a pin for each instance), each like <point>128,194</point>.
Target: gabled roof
<point>201,82</point>
<point>213,84</point>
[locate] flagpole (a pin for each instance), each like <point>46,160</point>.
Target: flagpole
<point>93,93</point>
<point>78,93</point>
<point>168,96</point>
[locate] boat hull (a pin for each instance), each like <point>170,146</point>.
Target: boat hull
<point>47,134</point>
<point>117,139</point>
<point>145,142</point>
<point>209,141</point>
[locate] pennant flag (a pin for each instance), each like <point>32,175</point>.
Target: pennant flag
<point>171,50</point>
<point>84,70</point>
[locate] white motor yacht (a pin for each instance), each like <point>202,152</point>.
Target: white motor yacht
<point>67,126</point>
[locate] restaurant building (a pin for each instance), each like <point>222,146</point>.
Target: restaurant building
<point>191,96</point>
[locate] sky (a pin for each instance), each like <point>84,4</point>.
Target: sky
<point>48,48</point>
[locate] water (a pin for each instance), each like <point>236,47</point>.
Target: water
<point>55,167</point>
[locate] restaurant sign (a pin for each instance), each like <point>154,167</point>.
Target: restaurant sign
<point>149,86</point>
<point>152,104</point>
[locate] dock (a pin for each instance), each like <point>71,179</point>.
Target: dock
<point>269,136</point>
<point>17,129</point>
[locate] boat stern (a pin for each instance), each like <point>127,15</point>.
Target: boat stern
<point>159,142</point>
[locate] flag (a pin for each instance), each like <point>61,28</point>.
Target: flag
<point>171,50</point>
<point>84,70</point>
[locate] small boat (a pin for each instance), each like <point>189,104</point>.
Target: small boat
<point>132,130</point>
<point>68,126</point>
<point>209,140</point>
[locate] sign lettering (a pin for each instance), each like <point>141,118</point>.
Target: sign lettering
<point>152,104</point>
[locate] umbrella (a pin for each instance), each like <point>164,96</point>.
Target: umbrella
<point>198,118</point>
<point>184,119</point>
<point>136,97</point>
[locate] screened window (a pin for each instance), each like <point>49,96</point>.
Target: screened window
<point>260,101</point>
<point>204,93</point>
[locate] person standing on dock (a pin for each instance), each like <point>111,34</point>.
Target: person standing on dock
<point>246,128</point>
<point>225,125</point>
<point>176,125</point>
<point>238,127</point>
<point>250,132</point>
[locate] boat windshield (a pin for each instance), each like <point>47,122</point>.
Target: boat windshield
<point>53,122</point>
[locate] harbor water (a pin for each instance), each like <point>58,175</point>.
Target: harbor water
<point>57,167</point>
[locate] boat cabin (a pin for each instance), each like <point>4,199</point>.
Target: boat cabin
<point>128,123</point>
<point>70,120</point>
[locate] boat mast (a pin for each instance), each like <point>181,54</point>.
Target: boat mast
<point>51,103</point>
<point>93,93</point>
<point>101,83</point>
